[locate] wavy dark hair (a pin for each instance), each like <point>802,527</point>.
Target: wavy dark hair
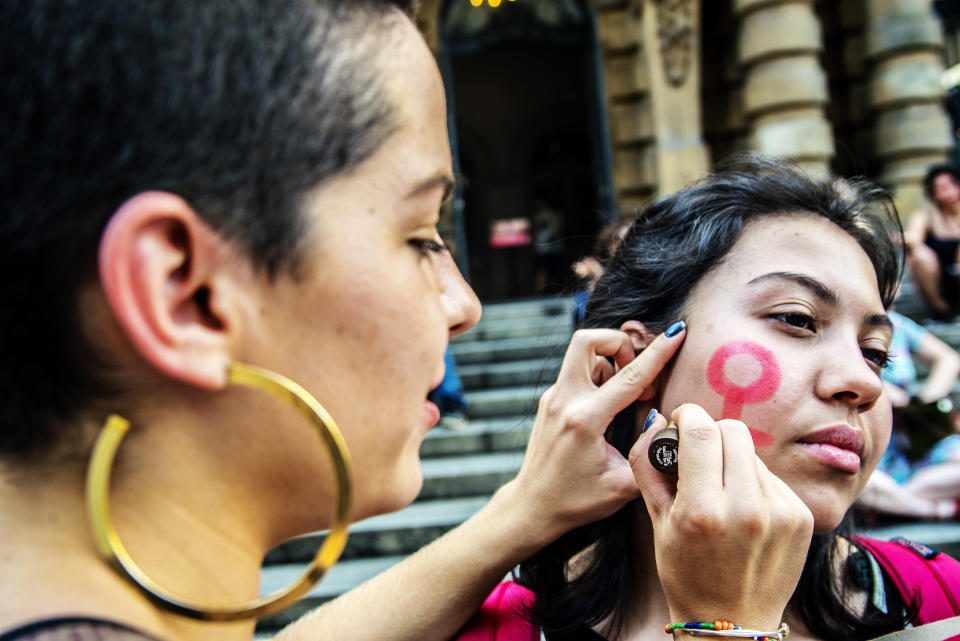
<point>670,247</point>
<point>238,106</point>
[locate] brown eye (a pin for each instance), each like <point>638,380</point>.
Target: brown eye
<point>798,320</point>
<point>880,358</point>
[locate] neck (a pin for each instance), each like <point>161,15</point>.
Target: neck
<point>170,511</point>
<point>645,611</point>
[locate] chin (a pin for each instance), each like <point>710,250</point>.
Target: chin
<point>828,518</point>
<point>825,527</point>
<point>391,495</point>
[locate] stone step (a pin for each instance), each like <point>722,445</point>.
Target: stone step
<point>533,371</point>
<point>474,475</point>
<point>543,306</point>
<point>509,349</point>
<point>341,577</point>
<point>948,332</point>
<point>504,401</point>
<point>398,533</point>
<point>477,436</point>
<point>520,327</point>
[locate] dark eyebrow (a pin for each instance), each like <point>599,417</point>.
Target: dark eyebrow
<point>443,181</point>
<point>817,288</point>
<point>879,320</point>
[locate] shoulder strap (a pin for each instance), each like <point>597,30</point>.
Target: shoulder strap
<point>500,618</point>
<point>925,577</point>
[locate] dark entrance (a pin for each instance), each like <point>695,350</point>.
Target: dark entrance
<point>529,131</point>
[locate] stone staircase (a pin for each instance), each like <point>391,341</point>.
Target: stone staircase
<point>504,362</point>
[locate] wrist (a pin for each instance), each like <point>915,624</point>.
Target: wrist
<point>727,629</point>
<point>752,620</point>
<point>525,528</point>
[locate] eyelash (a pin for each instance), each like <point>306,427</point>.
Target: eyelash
<point>427,246</point>
<point>810,323</point>
<point>878,357</point>
<point>883,359</point>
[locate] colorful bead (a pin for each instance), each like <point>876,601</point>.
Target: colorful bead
<point>701,625</point>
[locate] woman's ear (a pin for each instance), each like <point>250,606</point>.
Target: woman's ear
<point>640,336</point>
<point>167,279</point>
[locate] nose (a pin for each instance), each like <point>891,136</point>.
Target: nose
<point>459,301</point>
<point>846,377</point>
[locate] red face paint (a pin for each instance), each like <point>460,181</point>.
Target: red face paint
<point>759,389</point>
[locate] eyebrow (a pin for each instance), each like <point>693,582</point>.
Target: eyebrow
<point>442,180</point>
<point>879,320</point>
<point>822,292</point>
<point>815,287</point>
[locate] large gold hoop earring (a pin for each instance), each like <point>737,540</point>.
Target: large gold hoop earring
<point>108,541</point>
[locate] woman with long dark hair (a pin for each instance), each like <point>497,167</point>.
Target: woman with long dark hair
<point>783,281</point>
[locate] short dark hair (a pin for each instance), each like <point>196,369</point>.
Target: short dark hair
<point>931,176</point>
<point>238,106</point>
<point>668,250</point>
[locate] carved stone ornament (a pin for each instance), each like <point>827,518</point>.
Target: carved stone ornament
<point>675,32</point>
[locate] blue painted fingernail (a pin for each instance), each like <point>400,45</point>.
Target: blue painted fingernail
<point>674,329</point>
<point>651,417</point>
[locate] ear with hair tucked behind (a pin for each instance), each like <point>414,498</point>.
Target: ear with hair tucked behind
<point>169,281</point>
<point>639,334</point>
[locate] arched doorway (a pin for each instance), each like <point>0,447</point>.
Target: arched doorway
<point>528,129</point>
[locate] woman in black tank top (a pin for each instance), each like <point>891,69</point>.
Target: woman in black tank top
<point>932,240</point>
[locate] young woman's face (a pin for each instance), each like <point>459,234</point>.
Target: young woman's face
<point>366,326</point>
<point>789,335</point>
<point>946,191</point>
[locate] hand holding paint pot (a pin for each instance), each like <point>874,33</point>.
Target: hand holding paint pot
<point>729,536</point>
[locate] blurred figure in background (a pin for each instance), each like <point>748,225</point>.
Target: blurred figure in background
<point>932,240</point>
<point>589,269</point>
<point>919,474</point>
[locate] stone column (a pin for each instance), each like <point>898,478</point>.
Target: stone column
<point>628,100</point>
<point>671,29</point>
<point>912,130</point>
<point>785,88</point>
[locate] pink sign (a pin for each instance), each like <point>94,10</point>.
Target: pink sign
<point>510,232</point>
<point>735,396</point>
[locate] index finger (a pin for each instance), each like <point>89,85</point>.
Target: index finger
<point>628,384</point>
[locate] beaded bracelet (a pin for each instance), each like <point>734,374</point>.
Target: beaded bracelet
<point>728,629</point>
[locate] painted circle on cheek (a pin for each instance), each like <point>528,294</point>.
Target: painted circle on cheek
<point>736,396</point>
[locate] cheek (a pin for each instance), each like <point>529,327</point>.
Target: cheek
<point>742,373</point>
<point>879,422</point>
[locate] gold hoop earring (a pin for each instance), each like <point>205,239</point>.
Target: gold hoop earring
<point>108,542</point>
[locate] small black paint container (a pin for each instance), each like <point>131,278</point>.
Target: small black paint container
<point>664,449</point>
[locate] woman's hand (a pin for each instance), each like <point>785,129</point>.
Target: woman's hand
<point>571,475</point>
<point>730,537</point>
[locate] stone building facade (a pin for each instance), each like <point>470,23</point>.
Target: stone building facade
<point>852,86</point>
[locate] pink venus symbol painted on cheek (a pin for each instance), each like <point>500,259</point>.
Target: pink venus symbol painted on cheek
<point>761,388</point>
